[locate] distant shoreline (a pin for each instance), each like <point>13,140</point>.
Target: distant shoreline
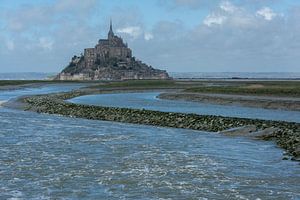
<point>236,75</point>
<point>239,79</point>
<point>21,84</point>
<point>176,75</point>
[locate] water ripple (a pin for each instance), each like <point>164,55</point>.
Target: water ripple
<point>52,157</point>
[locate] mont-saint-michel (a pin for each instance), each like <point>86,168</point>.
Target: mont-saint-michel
<point>106,125</point>
<point>110,59</point>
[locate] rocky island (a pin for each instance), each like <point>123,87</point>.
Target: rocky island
<point>110,59</point>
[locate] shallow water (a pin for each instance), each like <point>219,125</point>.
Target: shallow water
<point>149,101</point>
<point>53,88</point>
<point>52,157</point>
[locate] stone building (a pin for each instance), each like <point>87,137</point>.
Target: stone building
<point>110,59</point>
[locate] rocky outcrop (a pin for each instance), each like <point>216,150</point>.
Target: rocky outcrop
<point>296,153</point>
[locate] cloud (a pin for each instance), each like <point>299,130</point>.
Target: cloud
<point>225,35</point>
<point>133,31</point>
<point>27,17</point>
<point>55,30</point>
<point>238,16</point>
<point>214,19</point>
<point>266,13</point>
<point>148,36</point>
<point>46,43</point>
<point>231,37</point>
<point>228,7</point>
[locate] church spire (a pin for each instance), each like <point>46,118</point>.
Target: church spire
<point>110,33</point>
<point>110,27</point>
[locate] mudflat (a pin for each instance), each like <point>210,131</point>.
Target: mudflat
<point>286,134</point>
<point>267,102</point>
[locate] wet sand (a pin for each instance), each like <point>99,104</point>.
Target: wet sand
<point>268,102</point>
<point>22,86</point>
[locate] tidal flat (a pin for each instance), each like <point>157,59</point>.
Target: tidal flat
<point>133,153</point>
<point>286,134</point>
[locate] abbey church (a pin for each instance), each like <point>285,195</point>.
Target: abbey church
<point>110,59</point>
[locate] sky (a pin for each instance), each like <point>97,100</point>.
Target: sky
<point>176,35</point>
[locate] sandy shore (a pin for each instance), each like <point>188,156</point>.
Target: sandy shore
<point>268,102</point>
<point>23,86</point>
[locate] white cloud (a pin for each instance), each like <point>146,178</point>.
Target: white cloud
<point>266,13</point>
<point>133,31</point>
<point>228,7</point>
<point>45,43</point>
<point>231,16</point>
<point>148,36</point>
<point>214,19</point>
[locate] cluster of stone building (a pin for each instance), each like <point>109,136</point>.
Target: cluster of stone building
<point>110,59</point>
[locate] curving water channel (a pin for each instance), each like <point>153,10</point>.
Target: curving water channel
<point>149,101</point>
<point>53,157</point>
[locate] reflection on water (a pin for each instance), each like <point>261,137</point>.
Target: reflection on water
<point>47,156</point>
<point>149,101</point>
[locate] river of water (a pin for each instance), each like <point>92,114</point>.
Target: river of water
<point>52,157</point>
<point>149,101</point>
